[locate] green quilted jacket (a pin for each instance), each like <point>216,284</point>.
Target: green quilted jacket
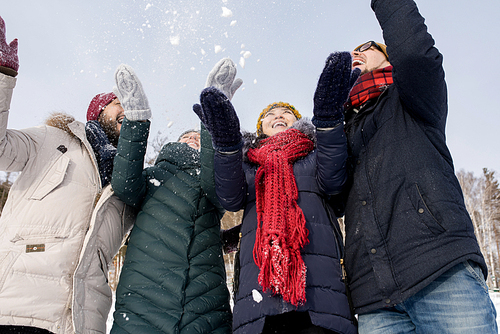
<point>173,278</point>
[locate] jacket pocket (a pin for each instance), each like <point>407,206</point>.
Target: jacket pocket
<point>422,210</point>
<point>52,178</point>
<point>7,260</point>
<point>103,263</point>
<point>38,239</point>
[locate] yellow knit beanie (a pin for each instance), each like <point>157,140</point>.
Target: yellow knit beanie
<point>272,106</point>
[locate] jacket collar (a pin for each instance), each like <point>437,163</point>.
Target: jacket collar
<point>67,123</point>
<point>180,155</point>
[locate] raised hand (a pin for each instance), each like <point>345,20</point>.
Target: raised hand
<point>219,117</point>
<point>9,61</point>
<point>222,77</point>
<point>131,95</point>
<point>333,89</point>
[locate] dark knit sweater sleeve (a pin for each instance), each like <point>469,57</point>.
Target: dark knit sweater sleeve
<point>331,160</point>
<point>207,168</point>
<point>230,183</point>
<point>128,180</point>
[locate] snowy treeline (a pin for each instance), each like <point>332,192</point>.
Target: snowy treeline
<point>482,198</point>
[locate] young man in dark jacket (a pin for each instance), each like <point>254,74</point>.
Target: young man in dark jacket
<point>412,259</point>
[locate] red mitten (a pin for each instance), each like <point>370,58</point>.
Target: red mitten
<point>9,62</point>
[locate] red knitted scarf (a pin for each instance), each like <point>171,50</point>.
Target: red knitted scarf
<point>369,86</point>
<point>281,228</point>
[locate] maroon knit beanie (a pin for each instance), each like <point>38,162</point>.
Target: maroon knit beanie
<point>98,103</point>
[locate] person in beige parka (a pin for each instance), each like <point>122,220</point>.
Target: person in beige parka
<point>62,223</point>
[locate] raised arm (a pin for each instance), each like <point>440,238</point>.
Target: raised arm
<point>128,180</point>
<point>417,64</point>
<point>15,146</point>
<point>332,92</point>
<point>222,77</point>
<point>9,61</point>
<point>219,117</point>
<point>207,168</point>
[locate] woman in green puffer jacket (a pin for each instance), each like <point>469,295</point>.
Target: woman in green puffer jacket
<point>173,278</point>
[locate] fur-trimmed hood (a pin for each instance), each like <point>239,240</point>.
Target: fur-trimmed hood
<point>251,140</point>
<point>61,121</point>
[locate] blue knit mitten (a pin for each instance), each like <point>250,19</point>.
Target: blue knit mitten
<point>219,117</point>
<point>333,89</point>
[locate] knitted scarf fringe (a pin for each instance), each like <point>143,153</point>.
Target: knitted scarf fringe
<point>281,231</point>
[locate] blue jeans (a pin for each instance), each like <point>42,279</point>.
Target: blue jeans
<point>457,302</point>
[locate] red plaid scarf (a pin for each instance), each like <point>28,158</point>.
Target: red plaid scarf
<point>281,229</point>
<point>369,86</point>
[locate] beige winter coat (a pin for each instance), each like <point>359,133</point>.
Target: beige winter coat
<point>58,230</point>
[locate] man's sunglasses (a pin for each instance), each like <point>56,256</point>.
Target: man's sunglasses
<point>367,45</point>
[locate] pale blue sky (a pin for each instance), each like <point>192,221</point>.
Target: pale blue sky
<point>69,50</point>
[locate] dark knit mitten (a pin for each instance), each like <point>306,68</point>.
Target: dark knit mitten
<point>230,239</point>
<point>103,149</point>
<point>333,89</point>
<point>219,117</point>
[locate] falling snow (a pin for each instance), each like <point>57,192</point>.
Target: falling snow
<point>226,12</point>
<point>155,182</point>
<point>175,40</point>
<point>257,297</point>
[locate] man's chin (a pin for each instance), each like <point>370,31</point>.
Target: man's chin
<point>112,133</point>
<point>362,68</point>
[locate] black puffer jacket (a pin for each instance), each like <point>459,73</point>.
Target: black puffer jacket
<point>317,175</point>
<point>406,222</point>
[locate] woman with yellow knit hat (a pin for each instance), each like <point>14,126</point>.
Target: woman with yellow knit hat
<point>290,277</point>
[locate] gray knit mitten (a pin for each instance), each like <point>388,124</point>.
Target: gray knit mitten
<point>222,77</point>
<point>131,94</point>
